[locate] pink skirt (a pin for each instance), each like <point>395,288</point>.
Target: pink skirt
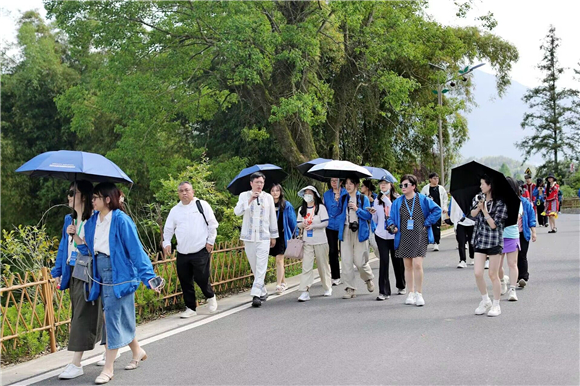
<point>511,245</point>
<point>551,207</point>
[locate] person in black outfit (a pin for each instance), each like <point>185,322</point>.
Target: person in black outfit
<point>439,195</point>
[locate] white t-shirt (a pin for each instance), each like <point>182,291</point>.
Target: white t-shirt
<point>317,235</point>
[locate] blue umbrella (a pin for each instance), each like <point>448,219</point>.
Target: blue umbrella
<point>379,173</point>
<point>74,165</point>
<point>306,166</point>
<point>241,183</point>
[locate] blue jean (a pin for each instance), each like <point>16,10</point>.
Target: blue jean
<point>120,322</point>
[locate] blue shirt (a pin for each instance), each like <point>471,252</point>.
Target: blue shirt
<point>333,209</point>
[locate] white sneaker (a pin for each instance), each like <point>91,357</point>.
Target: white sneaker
<point>512,297</point>
<point>212,303</point>
<point>102,361</point>
<point>495,311</point>
<point>522,283</point>
<point>436,247</point>
<point>419,301</point>
<point>486,264</point>
<point>411,300</point>
<point>304,297</point>
<point>402,291</point>
<point>484,306</point>
<point>328,293</point>
<point>471,262</point>
<point>71,371</point>
<point>349,294</point>
<point>370,285</point>
<point>462,264</point>
<point>188,313</point>
<point>504,284</point>
<point>336,282</point>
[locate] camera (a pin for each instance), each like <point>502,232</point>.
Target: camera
<point>391,228</point>
<point>353,226</point>
<point>480,197</point>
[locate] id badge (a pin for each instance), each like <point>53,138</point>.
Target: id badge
<point>310,233</point>
<point>73,258</point>
<point>410,224</point>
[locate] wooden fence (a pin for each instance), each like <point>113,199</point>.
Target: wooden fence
<point>32,304</point>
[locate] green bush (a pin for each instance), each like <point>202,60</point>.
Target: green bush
<point>568,191</point>
<point>27,345</point>
<point>27,248</point>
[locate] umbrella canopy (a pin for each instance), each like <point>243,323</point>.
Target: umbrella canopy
<point>241,183</point>
<point>339,169</point>
<point>465,182</point>
<point>379,173</point>
<point>306,166</point>
<point>74,165</point>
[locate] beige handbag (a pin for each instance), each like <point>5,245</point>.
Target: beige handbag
<point>295,248</point>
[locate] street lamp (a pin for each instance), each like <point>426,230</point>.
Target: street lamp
<point>440,91</point>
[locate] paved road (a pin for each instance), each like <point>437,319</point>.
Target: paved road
<point>362,341</point>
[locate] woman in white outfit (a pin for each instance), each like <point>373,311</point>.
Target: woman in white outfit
<point>313,220</point>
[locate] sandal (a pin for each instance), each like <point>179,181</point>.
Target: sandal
<point>279,289</point>
<point>103,378</point>
<point>284,287</point>
<point>135,362</point>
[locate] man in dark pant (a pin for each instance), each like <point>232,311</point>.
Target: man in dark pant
<point>463,235</point>
<point>523,261</point>
<point>438,194</point>
<point>194,267</point>
<point>193,223</point>
<point>386,248</point>
<point>332,237</point>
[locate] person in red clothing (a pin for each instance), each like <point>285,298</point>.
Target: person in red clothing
<point>529,186</point>
<point>552,189</point>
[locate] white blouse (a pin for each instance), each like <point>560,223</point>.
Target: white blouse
<point>102,234</point>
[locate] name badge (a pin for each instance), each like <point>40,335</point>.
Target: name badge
<point>310,233</point>
<point>410,224</point>
<point>73,258</point>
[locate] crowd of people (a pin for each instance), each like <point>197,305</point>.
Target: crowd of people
<point>100,241</point>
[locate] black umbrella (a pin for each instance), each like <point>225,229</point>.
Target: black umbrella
<point>465,182</point>
<point>241,183</point>
<point>306,166</point>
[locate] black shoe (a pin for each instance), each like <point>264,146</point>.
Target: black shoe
<point>552,231</point>
<point>264,298</point>
<point>256,302</point>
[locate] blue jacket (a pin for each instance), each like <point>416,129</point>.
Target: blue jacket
<point>333,209</point>
<point>528,218</point>
<point>128,259</point>
<point>431,212</point>
<point>536,196</point>
<point>578,193</point>
<point>289,222</point>
<point>365,217</point>
<point>61,268</point>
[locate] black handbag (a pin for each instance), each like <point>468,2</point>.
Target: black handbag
<point>82,271</point>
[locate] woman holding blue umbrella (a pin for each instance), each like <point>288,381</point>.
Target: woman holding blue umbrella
<point>119,263</point>
<point>87,318</point>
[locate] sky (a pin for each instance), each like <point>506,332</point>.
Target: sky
<point>523,23</point>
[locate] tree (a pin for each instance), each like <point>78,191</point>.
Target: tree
<point>505,170</point>
<point>552,112</point>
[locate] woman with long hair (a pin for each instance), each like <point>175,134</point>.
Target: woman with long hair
<point>286,226</point>
<point>552,203</point>
<point>411,219</point>
<point>87,319</point>
<point>331,200</point>
<point>538,197</point>
<point>313,219</point>
<point>386,241</point>
<point>368,189</point>
<point>119,263</point>
<point>490,215</point>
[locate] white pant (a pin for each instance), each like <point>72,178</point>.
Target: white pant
<point>320,251</point>
<point>257,253</point>
<point>354,252</point>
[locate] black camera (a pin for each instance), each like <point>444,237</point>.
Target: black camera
<point>391,228</point>
<point>353,226</point>
<point>480,197</point>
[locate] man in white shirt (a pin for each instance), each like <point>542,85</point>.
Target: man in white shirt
<point>195,231</point>
<point>438,194</point>
<point>259,232</point>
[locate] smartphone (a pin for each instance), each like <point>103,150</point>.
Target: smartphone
<point>156,282</point>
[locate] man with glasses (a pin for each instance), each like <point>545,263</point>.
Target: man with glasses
<point>438,194</point>
<point>193,223</point>
<point>259,232</point>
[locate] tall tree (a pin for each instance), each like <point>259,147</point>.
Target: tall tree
<point>552,110</point>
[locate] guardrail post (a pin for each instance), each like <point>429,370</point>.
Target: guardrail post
<point>48,308</point>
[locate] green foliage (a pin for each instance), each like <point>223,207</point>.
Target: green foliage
<point>292,186</point>
<point>568,191</point>
<point>574,180</point>
<point>29,344</point>
<point>27,248</point>
<point>505,170</point>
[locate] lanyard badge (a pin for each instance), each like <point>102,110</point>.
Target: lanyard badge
<point>411,222</point>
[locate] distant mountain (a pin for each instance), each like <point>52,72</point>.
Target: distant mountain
<point>494,125</point>
<point>495,162</point>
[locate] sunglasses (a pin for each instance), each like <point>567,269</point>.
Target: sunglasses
<point>404,185</point>
<point>71,193</point>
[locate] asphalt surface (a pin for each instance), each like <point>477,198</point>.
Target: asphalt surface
<point>535,341</point>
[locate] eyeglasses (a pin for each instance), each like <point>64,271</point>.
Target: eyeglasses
<point>71,193</point>
<point>96,197</point>
<point>404,185</point>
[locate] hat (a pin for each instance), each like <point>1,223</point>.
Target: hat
<point>551,175</point>
<point>528,176</point>
<point>309,187</point>
<point>385,178</point>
